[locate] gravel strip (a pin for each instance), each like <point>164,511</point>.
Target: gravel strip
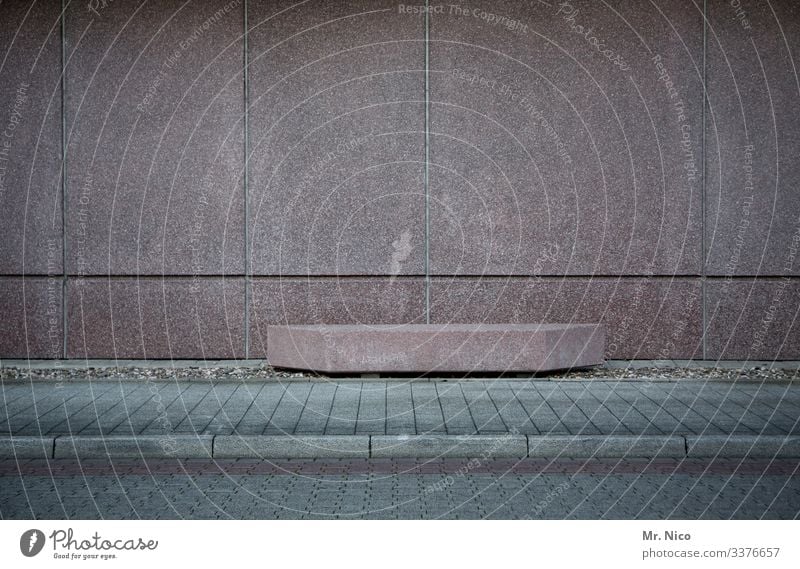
<point>168,372</point>
<point>176,372</point>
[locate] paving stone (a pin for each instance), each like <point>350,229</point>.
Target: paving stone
<point>484,411</point>
<point>257,417</point>
<point>457,415</point>
<point>153,415</point>
<point>317,409</point>
<point>541,412</point>
<point>111,407</point>
<point>511,412</point>
<point>344,413</point>
<point>234,409</point>
<point>372,411</point>
<point>204,412</point>
<point>286,416</point>
<point>428,416</point>
<point>400,409</point>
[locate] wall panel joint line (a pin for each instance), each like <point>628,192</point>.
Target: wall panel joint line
<point>245,183</point>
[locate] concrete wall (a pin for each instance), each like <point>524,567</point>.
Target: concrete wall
<point>575,172</point>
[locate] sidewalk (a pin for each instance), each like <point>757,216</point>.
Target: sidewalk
<point>492,418</point>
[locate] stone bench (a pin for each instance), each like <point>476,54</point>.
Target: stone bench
<point>424,348</point>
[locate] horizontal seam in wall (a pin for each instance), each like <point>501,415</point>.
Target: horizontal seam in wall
<point>403,277</point>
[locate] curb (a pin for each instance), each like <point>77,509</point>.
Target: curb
<point>610,446</point>
<point>27,447</point>
<point>400,446</point>
<point>741,446</point>
<point>284,446</point>
<point>449,446</point>
<point>145,446</point>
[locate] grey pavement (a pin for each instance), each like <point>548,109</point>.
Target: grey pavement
<point>492,407</point>
<point>678,425</point>
<point>400,489</point>
<point>398,419</point>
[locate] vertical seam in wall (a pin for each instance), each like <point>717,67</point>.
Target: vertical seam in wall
<point>703,183</point>
<point>63,180</point>
<point>245,184</point>
<point>427,170</point>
